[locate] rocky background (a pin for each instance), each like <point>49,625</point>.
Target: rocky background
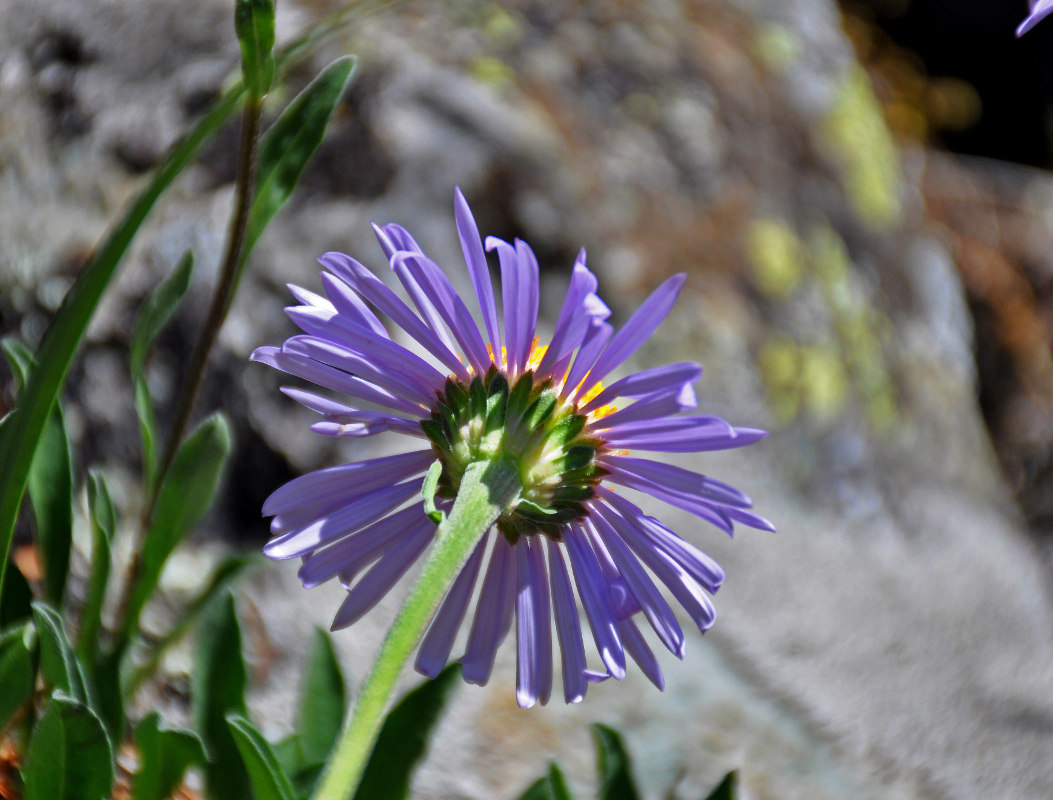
<point>881,304</point>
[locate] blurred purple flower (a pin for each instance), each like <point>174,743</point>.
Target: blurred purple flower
<point>1040,9</point>
<point>475,396</point>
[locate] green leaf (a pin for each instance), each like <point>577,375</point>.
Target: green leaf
<point>164,756</point>
<point>17,597</point>
<point>18,669</point>
<point>183,498</point>
<point>18,441</point>
<point>254,26</point>
<point>727,789</point>
<point>58,662</point>
<point>616,780</point>
<point>70,756</point>
<point>218,687</point>
<point>153,316</point>
<point>103,522</point>
<point>156,310</point>
<point>228,571</point>
<point>431,483</point>
<point>50,483</point>
<point>289,144</point>
<point>552,786</point>
<point>268,780</point>
<point>404,739</point>
<point>322,700</point>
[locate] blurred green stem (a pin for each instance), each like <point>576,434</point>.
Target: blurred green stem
<point>487,489</point>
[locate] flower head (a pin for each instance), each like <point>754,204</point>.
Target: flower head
<point>475,396</point>
<point>1040,9</point>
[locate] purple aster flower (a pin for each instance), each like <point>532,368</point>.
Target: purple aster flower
<point>1040,9</point>
<point>473,396</point>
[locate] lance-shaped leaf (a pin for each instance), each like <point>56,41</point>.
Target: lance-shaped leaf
<point>403,740</point>
<point>19,441</point>
<point>268,780</point>
<point>152,317</point>
<point>165,754</point>
<point>70,756</point>
<point>218,688</point>
<point>18,669</point>
<point>254,26</point>
<point>289,144</point>
<point>50,483</point>
<point>616,780</point>
<point>322,700</point>
<point>103,522</point>
<point>727,789</point>
<point>183,498</point>
<point>550,787</point>
<point>58,661</point>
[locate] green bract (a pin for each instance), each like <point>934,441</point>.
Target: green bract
<point>528,425</point>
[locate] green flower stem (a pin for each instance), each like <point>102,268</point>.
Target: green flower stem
<point>487,490</point>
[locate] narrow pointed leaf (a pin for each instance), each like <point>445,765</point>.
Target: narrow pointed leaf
<point>144,410</point>
<point>58,661</point>
<point>18,441</point>
<point>269,782</point>
<point>322,700</point>
<point>183,498</point>
<point>155,312</point>
<point>254,26</point>
<point>50,483</point>
<point>17,597</point>
<point>18,669</point>
<point>290,142</point>
<point>70,756</point>
<point>165,754</point>
<point>103,521</point>
<point>403,740</point>
<point>218,688</point>
<point>616,780</point>
<point>727,789</point>
<point>552,786</point>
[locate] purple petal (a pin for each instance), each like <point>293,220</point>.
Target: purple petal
<point>357,551</point>
<point>506,256</point>
<point>376,292</point>
<point>749,518</point>
<point>331,378</point>
<point>347,480</point>
<point>527,299</point>
<point>698,433</point>
<point>383,576</point>
<point>596,339</point>
<point>533,625</point>
<point>398,238</point>
<point>674,477</point>
<point>580,307</point>
<point>309,298</point>
<point>1039,11</point>
<point>641,653</point>
<point>434,283</point>
<point>647,382</point>
<point>435,649</point>
<point>700,566</point>
<point>384,375</point>
<point>592,589</point>
<point>638,327</point>
<point>663,403</point>
<point>475,258</point>
<point>705,509</point>
<point>493,614</point>
<point>364,343</point>
<point>568,628</point>
<point>347,302</point>
<point>654,606</point>
<point>361,512</point>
